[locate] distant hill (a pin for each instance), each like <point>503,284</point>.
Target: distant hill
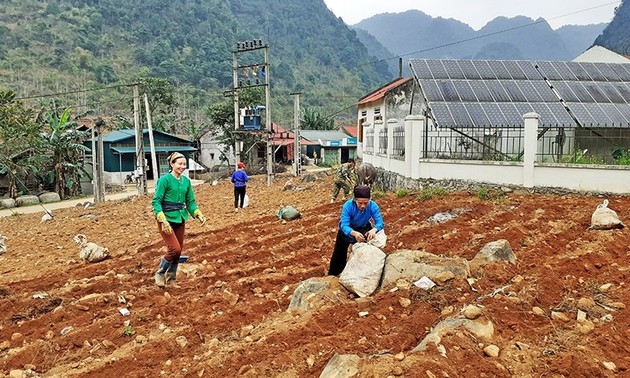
<point>502,38</point>
<point>63,45</point>
<point>616,36</point>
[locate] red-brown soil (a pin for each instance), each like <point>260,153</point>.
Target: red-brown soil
<point>234,291</point>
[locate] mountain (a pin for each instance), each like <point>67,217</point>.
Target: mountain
<point>68,45</point>
<point>502,38</point>
<point>616,37</point>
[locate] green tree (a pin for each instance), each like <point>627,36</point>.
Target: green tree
<point>222,119</point>
<point>19,142</point>
<point>64,143</point>
<point>313,120</point>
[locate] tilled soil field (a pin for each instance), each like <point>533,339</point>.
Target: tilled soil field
<point>61,317</point>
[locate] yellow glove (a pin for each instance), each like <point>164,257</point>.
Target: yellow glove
<point>164,225</point>
<point>197,214</point>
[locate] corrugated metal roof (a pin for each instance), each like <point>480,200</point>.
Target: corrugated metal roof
<point>324,135</point>
<point>119,135</point>
<point>132,150</point>
<point>380,93</point>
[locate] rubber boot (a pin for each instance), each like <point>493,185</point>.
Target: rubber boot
<point>171,273</point>
<point>159,275</point>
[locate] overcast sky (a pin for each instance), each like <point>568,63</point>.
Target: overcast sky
<point>477,13</point>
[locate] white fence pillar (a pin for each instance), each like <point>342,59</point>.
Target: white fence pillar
<point>365,158</point>
<point>414,134</point>
<point>531,123</point>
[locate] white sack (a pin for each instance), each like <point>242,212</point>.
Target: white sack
<point>604,218</point>
<point>362,274</point>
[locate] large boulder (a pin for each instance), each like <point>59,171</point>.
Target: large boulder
<point>7,203</point>
<point>411,265</point>
<point>27,200</point>
<point>49,197</point>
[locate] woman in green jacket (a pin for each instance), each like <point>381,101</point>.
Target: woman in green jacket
<point>173,201</point>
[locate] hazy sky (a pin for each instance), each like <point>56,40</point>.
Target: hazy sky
<point>477,13</point>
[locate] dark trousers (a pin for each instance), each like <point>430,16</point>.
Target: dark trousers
<point>174,242</point>
<point>239,196</point>
<point>340,253</point>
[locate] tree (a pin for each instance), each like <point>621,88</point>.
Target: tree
<point>64,143</point>
<point>313,120</point>
<point>222,118</point>
<point>19,142</point>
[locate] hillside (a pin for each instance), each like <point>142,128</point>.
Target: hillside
<point>502,38</point>
<point>560,310</point>
<point>69,45</point>
<point>615,37</point>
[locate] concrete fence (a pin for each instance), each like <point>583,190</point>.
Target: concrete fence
<point>528,173</point>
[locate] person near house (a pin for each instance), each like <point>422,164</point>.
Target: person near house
<point>360,220</point>
<point>344,180</point>
<point>173,202</point>
<point>239,179</point>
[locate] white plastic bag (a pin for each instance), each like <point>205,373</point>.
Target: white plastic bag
<point>246,201</point>
<point>380,239</point>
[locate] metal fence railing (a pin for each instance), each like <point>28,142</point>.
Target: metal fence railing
<point>368,146</point>
<point>398,134</point>
<point>382,141</point>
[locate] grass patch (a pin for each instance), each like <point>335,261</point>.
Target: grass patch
<point>487,194</point>
<point>428,193</point>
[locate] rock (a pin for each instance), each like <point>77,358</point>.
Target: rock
<point>400,356</point>
<point>447,310</point>
<point>404,302</point>
<point>246,331</point>
<point>26,200</point>
<point>482,329</point>
<point>609,365</point>
<point>585,327</point>
<point>538,311</point>
<point>7,203</point>
<point>49,197</point>
<point>181,341</point>
<point>304,293</point>
<point>17,374</point>
<point>310,361</point>
<point>605,287</point>
<point>491,351</point>
<point>5,345</point>
<point>585,304</point>
<point>495,251</point>
<point>341,366</point>
<point>472,312</point>
<point>557,315</point>
<point>411,265</point>
<point>443,277</point>
<point>231,298</point>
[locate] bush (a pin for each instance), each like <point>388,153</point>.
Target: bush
<point>428,193</point>
<point>489,194</point>
<point>401,193</point>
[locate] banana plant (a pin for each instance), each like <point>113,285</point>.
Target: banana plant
<point>66,151</point>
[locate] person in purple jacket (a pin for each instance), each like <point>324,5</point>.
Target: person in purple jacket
<point>239,179</point>
<point>360,220</point>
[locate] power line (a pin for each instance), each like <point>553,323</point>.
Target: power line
<point>74,92</point>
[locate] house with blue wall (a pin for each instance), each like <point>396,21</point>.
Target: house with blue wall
<point>119,150</point>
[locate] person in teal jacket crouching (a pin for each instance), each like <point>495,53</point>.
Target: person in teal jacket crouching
<point>173,201</point>
<point>359,222</point>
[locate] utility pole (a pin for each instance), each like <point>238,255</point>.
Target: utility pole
<point>99,182</point>
<point>140,168</point>
<point>270,155</point>
<point>156,171</point>
<point>297,152</point>
<point>258,70</point>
